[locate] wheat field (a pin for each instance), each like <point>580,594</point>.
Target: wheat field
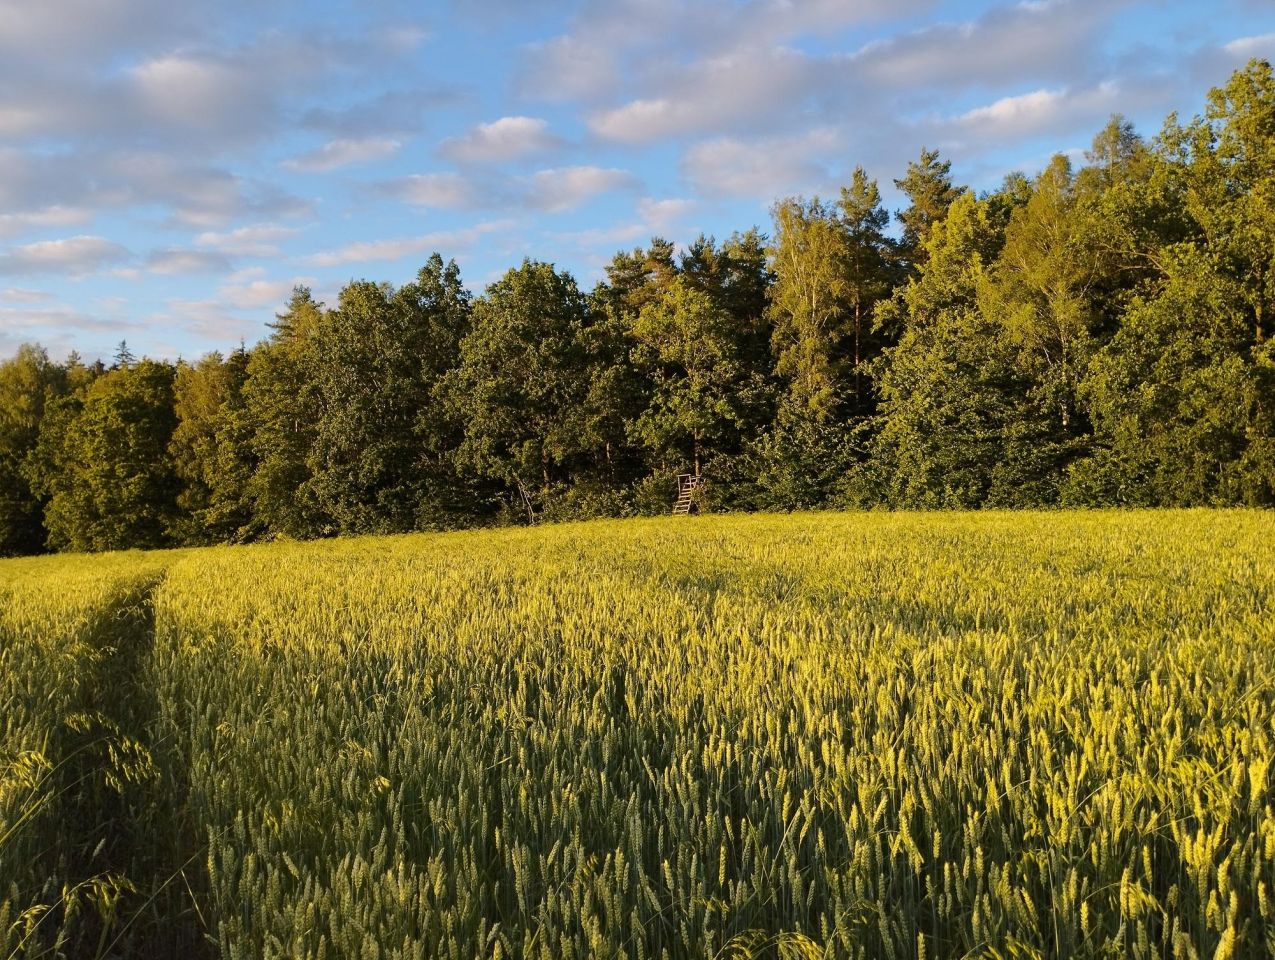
<point>825,735</point>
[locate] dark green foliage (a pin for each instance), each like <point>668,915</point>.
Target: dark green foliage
<point>871,273</point>
<point>799,464</point>
<point>619,389</point>
<point>953,403</point>
<point>29,383</point>
<point>378,358</point>
<point>808,306</point>
<point>833,264</point>
<point>210,449</point>
<point>702,390</point>
<point>928,186</point>
<point>1038,290</point>
<point>1229,172</point>
<point>281,407</point>
<point>736,276</point>
<point>1182,399</point>
<point>520,382</point>
<point>102,462</point>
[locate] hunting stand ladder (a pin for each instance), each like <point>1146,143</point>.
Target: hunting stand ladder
<point>688,484</point>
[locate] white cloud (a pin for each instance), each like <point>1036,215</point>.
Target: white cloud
<point>86,28</point>
<point>603,237</point>
<point>343,153</point>
<point>370,251</point>
<point>748,89</point>
<point>395,113</point>
<point>24,295</point>
<point>734,80</point>
<point>404,38</point>
<point>172,260</point>
<point>446,242</point>
<point>509,138</point>
<point>247,290</point>
<point>73,256</point>
<point>448,190</point>
<point>569,68</point>
<point>640,120</point>
<point>207,198</point>
<point>210,320</point>
<point>1259,46</point>
<point>765,168</point>
<point>654,218</point>
<point>17,120</point>
<point>1037,112</point>
<point>38,189</point>
<point>1013,110</point>
<point>254,240</point>
<point>54,216</point>
<point>201,94</point>
<point>258,294</point>
<point>613,42</point>
<point>60,328</point>
<point>553,190</point>
<point>661,214</point>
<point>1054,39</point>
<point>182,86</point>
<point>566,188</point>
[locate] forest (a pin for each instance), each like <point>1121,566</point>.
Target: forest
<point>1095,335</point>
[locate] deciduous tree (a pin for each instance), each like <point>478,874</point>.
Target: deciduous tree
<point>519,378</point>
<point>102,462</point>
<point>29,382</point>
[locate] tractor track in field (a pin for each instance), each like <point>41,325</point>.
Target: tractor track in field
<point>126,833</point>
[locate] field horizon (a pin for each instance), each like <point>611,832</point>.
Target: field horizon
<point>707,518</point>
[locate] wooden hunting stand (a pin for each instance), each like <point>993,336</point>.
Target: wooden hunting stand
<point>688,484</point>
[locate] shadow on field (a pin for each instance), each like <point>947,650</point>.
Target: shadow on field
<point>126,844</point>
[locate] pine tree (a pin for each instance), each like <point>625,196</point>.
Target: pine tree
<point>928,185</point>
<point>870,275</point>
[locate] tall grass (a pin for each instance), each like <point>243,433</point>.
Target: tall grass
<point>65,760</point>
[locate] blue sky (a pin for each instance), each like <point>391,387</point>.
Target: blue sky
<point>169,170</point>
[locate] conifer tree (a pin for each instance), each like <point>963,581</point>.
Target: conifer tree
<point>282,410</point>
<point>928,186</point>
<point>209,449</point>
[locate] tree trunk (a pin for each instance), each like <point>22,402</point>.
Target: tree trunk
<point>526,500</point>
<point>1258,312</point>
<point>858,354</point>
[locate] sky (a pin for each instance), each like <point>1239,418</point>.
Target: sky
<point>170,170</point>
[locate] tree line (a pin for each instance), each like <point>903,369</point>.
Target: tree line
<point>1096,335</point>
